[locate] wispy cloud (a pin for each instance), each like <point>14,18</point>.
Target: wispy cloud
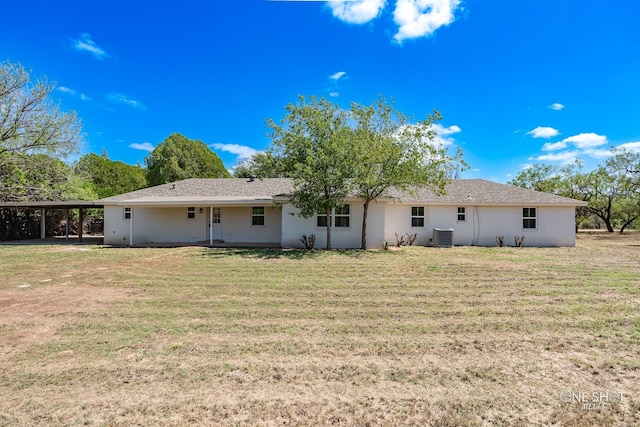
<point>543,132</point>
<point>338,75</point>
<point>357,12</point>
<point>443,137</point>
<point>86,44</point>
<point>242,151</point>
<point>119,98</point>
<point>584,145</point>
<point>420,18</point>
<point>633,147</point>
<point>564,157</point>
<point>556,106</point>
<point>72,92</point>
<point>334,94</point>
<point>144,146</point>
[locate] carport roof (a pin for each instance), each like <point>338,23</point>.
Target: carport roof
<point>67,204</point>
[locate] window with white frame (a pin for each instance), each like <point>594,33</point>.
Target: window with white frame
<point>462,214</point>
<point>191,212</point>
<point>126,214</point>
<point>340,217</point>
<point>417,216</point>
<point>529,218</point>
<point>216,216</point>
<point>257,216</point>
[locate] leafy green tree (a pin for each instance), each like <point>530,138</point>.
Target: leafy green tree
<point>389,151</point>
<point>179,158</point>
<point>312,142</point>
<point>260,165</point>
<point>109,177</point>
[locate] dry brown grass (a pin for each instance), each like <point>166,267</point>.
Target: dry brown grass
<point>420,336</point>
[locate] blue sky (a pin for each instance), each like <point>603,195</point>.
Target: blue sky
<point>517,82</point>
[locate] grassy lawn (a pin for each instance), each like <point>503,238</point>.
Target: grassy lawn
<point>418,336</point>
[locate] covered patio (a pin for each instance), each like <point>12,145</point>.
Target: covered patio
<point>66,206</point>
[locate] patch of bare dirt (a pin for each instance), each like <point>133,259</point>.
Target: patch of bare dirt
<point>33,314</point>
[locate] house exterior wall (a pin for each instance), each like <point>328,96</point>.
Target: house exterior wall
<point>555,225</point>
<point>237,228</point>
<point>170,225</point>
<point>294,226</point>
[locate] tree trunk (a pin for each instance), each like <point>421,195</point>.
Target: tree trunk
<point>626,223</point>
<point>365,211</point>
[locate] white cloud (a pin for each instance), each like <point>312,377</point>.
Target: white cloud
<point>334,94</point>
<point>145,146</point>
<point>72,92</point>
<point>565,157</point>
<point>338,75</point>
<point>357,12</point>
<point>419,18</point>
<point>242,151</point>
<point>556,106</point>
<point>553,146</point>
<point>633,147</point>
<point>443,139</point>
<point>120,98</point>
<point>598,153</point>
<point>86,44</point>
<point>586,140</point>
<point>543,132</point>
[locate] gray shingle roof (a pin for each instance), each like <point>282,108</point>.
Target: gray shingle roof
<point>459,191</point>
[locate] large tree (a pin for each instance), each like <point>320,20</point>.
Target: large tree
<point>109,177</point>
<point>30,122</point>
<point>260,165</point>
<point>312,142</point>
<point>389,151</point>
<point>179,158</point>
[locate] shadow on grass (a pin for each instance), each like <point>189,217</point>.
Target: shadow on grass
<point>294,254</point>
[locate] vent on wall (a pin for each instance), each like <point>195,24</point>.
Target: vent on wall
<point>443,237</point>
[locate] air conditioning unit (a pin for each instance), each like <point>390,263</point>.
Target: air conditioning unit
<point>443,237</point>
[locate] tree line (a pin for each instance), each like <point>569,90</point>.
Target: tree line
<point>612,189</point>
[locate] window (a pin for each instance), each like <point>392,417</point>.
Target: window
<point>191,212</point>
<point>216,216</point>
<point>417,216</point>
<point>321,220</point>
<point>257,216</point>
<point>340,217</point>
<point>462,214</point>
<point>529,218</point>
<point>126,214</point>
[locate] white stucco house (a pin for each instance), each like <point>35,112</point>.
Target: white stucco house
<point>239,211</point>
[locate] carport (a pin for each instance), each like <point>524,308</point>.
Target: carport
<point>81,205</point>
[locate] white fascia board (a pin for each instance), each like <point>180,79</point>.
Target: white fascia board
<point>197,201</point>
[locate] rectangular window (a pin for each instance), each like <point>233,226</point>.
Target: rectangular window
<point>342,218</point>
<point>321,220</point>
<point>257,216</point>
<point>417,216</point>
<point>529,218</point>
<point>191,212</point>
<point>126,214</point>
<point>462,214</point>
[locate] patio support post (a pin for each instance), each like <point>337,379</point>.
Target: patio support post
<point>131,228</point>
<point>210,225</point>
<point>80,226</point>
<point>66,224</point>
<point>42,223</point>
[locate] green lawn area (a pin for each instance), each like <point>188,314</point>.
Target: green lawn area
<point>417,336</point>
